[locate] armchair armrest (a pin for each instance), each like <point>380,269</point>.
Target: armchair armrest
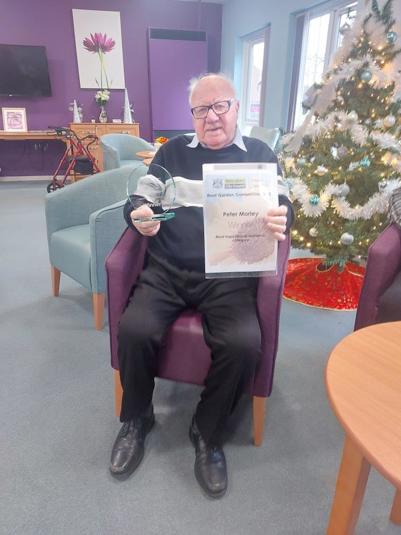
<point>269,297</point>
<point>384,262</point>
<point>111,158</point>
<point>67,207</point>
<point>123,266</point>
<point>73,204</point>
<point>105,227</point>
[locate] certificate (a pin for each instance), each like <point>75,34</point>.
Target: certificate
<point>236,197</point>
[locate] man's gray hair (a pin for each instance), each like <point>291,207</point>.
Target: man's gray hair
<point>194,82</point>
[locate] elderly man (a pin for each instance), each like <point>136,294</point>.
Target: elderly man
<point>174,279</point>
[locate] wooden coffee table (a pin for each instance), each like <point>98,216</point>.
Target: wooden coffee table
<point>363,379</point>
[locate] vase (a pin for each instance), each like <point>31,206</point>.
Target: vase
<point>102,115</point>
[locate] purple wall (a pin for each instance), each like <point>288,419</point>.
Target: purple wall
<point>188,59</point>
<point>49,23</point>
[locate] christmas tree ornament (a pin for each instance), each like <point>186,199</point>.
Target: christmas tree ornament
<point>368,121</point>
<point>313,232</point>
<point>353,116</point>
<point>334,152</point>
<point>342,151</point>
<point>366,75</point>
<point>389,121</point>
<point>382,185</point>
<point>340,99</point>
<point>314,200</point>
<point>365,162</point>
<point>346,238</point>
<point>321,170</point>
<point>387,158</point>
<point>391,37</point>
<point>344,28</point>
<point>301,162</point>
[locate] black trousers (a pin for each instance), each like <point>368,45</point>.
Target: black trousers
<point>231,330</point>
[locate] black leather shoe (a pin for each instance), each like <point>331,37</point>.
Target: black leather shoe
<point>129,447</point>
<point>210,465</point>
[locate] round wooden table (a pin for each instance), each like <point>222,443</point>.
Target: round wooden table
<point>147,156</point>
<point>363,379</point>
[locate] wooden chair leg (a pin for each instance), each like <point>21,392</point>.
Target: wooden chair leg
<point>259,411</point>
<point>98,310</point>
<point>395,515</point>
<point>118,393</point>
<point>350,489</point>
<point>55,273</point>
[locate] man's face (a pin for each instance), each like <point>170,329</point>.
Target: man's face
<point>215,131</point>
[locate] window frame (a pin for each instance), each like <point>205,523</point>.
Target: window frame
<point>335,8</point>
<point>248,41</point>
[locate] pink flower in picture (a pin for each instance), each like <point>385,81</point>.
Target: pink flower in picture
<point>100,44</point>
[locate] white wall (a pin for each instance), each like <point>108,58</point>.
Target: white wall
<point>241,17</point>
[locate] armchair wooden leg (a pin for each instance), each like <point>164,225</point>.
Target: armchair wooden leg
<point>55,273</point>
<point>395,515</point>
<point>98,310</point>
<point>118,393</point>
<point>259,411</point>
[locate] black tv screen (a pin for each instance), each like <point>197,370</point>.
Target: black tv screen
<point>24,71</point>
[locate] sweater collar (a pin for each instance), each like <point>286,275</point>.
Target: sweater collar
<point>238,140</point>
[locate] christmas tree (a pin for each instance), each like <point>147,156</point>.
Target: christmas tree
<point>345,159</point>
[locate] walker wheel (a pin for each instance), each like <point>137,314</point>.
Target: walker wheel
<point>53,186</point>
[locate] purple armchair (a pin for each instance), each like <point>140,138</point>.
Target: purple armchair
<point>384,263</point>
<point>185,356</point>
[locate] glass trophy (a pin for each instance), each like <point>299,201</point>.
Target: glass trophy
<point>152,186</point>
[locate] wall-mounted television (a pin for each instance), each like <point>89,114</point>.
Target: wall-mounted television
<point>24,71</point>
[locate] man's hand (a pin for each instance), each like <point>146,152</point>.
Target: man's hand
<point>147,228</point>
<point>277,220</point>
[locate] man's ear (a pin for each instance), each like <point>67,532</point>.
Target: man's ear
<point>237,105</point>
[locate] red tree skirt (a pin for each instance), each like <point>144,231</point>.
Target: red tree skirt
<point>330,288</point>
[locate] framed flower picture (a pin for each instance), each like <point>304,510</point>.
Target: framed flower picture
<point>14,119</point>
<point>99,49</point>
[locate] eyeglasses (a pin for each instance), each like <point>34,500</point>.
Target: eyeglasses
<point>219,108</point>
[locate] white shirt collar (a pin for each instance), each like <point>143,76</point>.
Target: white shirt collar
<point>236,141</point>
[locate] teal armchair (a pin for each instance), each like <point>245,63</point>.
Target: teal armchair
<point>120,150</point>
<point>84,221</point>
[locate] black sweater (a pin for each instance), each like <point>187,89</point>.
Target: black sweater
<point>180,241</point>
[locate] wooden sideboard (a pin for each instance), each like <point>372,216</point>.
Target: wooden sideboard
<point>99,130</point>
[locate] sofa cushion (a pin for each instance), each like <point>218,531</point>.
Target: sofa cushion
<point>70,253</point>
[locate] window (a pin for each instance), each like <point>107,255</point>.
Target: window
<point>254,78</point>
<point>319,33</point>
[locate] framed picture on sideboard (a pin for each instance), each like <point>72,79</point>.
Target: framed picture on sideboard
<point>14,119</point>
